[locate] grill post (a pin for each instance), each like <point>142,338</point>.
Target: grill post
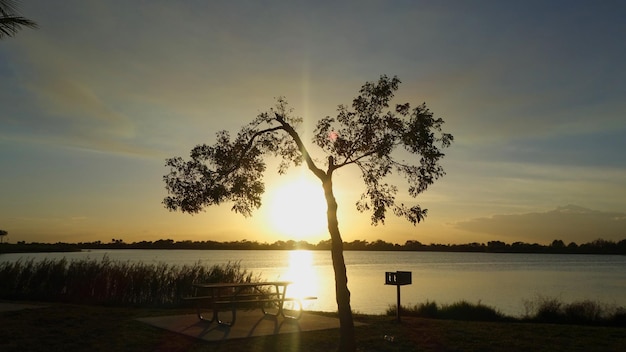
<point>398,278</point>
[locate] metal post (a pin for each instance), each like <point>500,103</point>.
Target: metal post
<point>399,278</point>
<point>398,306</point>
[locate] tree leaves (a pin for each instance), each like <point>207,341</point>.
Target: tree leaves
<point>230,169</point>
<point>367,134</point>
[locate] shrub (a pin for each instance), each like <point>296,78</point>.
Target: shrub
<point>583,312</point>
<point>618,318</point>
<point>462,310</point>
<point>427,310</point>
<point>548,309</point>
<point>553,310</point>
<point>540,310</point>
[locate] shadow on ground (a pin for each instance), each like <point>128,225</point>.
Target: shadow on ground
<point>249,324</point>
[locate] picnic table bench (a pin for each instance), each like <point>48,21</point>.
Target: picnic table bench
<point>270,296</point>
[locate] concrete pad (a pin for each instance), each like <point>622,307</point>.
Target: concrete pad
<point>6,307</point>
<point>249,323</point>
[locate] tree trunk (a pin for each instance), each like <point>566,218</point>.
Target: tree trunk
<point>346,324</point>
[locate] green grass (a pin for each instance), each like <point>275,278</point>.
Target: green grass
<point>68,327</point>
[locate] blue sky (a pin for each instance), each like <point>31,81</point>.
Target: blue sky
<point>96,98</point>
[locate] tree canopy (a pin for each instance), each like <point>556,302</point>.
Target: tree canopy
<point>366,135</point>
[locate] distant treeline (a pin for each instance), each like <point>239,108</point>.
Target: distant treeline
<point>598,246</point>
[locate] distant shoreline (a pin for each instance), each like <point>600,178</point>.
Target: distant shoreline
<point>556,247</point>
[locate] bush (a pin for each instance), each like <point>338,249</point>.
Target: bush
<point>427,310</point>
<point>583,312</point>
<point>547,309</point>
<point>587,312</point>
<point>462,310</point>
<point>618,318</point>
<point>540,310</point>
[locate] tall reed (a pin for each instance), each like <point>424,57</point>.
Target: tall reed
<point>110,282</point>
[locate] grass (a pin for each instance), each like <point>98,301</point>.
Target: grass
<point>70,327</point>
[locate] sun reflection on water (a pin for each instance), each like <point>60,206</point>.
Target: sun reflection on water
<point>303,277</point>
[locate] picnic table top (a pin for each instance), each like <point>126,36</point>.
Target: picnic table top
<point>241,284</point>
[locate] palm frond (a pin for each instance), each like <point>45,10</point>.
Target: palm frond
<point>11,25</point>
<point>10,20</point>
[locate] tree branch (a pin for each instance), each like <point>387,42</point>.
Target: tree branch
<point>249,145</point>
<point>353,161</point>
<point>305,153</point>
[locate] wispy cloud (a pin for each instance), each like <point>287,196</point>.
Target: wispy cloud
<point>68,107</point>
<point>79,107</point>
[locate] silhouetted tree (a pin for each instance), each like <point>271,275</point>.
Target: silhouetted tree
<point>3,234</point>
<point>557,246</point>
<point>621,246</point>
<point>496,246</point>
<point>380,245</point>
<point>10,20</point>
<point>364,136</point>
<point>356,245</point>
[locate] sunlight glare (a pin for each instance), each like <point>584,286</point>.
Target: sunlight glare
<point>302,275</point>
<point>298,209</point>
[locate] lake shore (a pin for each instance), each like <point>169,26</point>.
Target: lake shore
<point>69,327</point>
<point>503,281</point>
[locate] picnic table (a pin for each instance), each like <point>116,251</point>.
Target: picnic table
<point>271,296</point>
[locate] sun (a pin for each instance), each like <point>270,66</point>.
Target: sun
<point>297,209</point>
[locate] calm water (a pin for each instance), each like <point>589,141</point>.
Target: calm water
<point>503,281</point>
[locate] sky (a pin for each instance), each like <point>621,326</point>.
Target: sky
<point>95,100</point>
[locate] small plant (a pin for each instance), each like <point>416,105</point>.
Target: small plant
<point>462,310</point>
<point>546,309</point>
<point>427,310</point>
<point>587,312</point>
<point>583,312</point>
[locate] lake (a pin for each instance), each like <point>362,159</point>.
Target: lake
<point>500,280</point>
